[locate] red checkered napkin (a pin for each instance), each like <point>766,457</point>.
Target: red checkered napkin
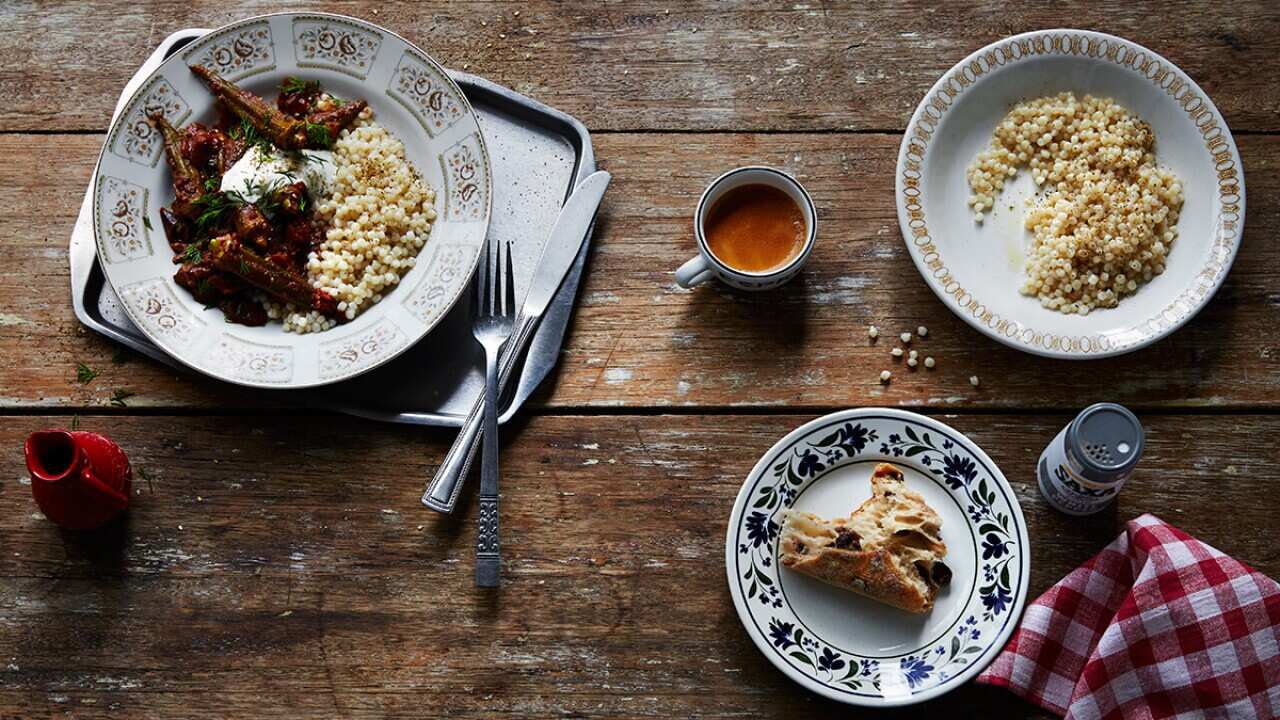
<point>1157,625</point>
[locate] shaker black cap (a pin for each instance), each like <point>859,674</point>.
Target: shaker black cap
<point>1106,439</point>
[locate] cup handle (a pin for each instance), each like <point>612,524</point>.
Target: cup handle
<point>693,272</point>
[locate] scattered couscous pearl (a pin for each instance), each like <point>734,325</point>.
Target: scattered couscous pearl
<point>905,337</point>
<point>913,354</point>
<point>896,352</point>
<point>928,362</point>
<point>179,527</point>
<point>873,332</point>
<point>973,380</point>
<point>911,362</point>
<point>885,375</point>
<point>922,331</point>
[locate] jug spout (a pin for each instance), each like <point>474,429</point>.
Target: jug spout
<point>52,455</point>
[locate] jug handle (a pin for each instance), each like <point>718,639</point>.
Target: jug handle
<point>115,499</point>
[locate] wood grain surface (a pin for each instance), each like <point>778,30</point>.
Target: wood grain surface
<point>638,340</point>
<point>665,65</point>
<point>333,593</point>
<point>276,562</point>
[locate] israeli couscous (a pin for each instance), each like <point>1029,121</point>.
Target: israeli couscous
<point>1106,215</point>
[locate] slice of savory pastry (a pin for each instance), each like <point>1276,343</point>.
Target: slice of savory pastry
<point>890,549</point>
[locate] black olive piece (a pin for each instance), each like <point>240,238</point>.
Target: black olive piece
<point>848,540</point>
<point>939,576</point>
<point>923,569</point>
<point>941,573</point>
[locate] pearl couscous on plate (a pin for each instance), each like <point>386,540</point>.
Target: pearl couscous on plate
<point>378,215</point>
<point>1106,214</point>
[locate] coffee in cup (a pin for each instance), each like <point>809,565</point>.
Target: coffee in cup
<point>755,227</point>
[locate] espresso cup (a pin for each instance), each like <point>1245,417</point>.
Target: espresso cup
<point>706,265</point>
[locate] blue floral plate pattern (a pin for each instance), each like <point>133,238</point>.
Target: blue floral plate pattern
<point>850,648</point>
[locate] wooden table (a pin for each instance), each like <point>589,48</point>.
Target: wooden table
<point>277,562</point>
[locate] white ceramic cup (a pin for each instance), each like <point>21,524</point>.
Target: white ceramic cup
<point>706,265</point>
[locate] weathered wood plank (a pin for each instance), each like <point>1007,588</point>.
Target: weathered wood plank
<point>658,65</point>
<point>283,567</point>
<point>638,340</point>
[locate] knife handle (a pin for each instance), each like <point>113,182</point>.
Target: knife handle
<point>442,492</point>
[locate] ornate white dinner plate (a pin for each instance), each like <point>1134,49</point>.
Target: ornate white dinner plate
<point>410,94</point>
<point>976,268</point>
<point>848,647</point>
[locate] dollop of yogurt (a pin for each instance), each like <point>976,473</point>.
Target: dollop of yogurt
<point>259,171</point>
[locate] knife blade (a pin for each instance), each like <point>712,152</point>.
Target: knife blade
<point>558,253</point>
<point>564,242</point>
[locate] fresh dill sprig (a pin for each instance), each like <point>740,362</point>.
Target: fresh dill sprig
<point>214,208</point>
<point>146,222</point>
<point>268,202</point>
<point>192,254</point>
<point>119,397</point>
<point>212,184</point>
<point>318,134</point>
<point>85,374</point>
<point>249,134</point>
<point>293,85</point>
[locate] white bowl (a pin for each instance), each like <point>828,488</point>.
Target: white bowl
<point>410,94</point>
<point>976,269</point>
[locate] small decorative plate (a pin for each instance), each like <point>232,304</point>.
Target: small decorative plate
<point>976,269</point>
<point>850,648</point>
<point>410,94</point>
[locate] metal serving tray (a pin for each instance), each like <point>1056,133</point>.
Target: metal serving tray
<point>538,153</point>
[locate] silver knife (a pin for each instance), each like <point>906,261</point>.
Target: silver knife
<point>558,254</point>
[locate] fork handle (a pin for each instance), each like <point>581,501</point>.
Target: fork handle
<point>442,492</point>
<point>488,560</point>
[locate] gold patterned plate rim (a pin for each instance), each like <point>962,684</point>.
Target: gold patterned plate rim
<point>412,95</point>
<point>1176,90</point>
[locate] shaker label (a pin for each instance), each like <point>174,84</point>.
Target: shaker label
<point>1083,468</point>
<point>1065,489</point>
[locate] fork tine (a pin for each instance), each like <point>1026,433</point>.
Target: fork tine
<point>494,287</point>
<point>510,296</point>
<point>491,278</point>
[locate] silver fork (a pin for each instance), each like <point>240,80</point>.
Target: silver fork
<point>495,312</point>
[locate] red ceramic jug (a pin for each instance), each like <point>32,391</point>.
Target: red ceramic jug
<point>80,480</point>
